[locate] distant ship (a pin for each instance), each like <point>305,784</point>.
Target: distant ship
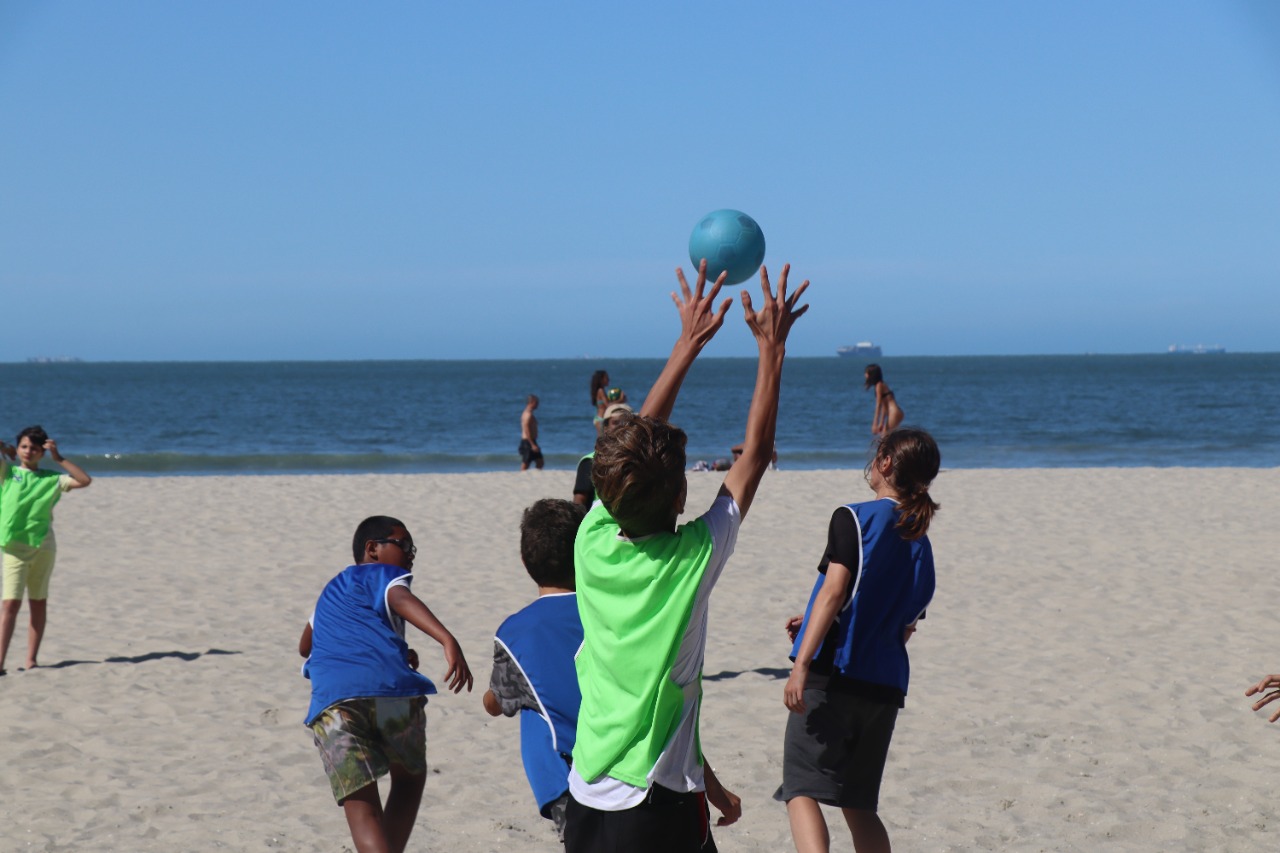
<point>1197,349</point>
<point>866,349</point>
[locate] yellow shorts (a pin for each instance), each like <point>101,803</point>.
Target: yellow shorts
<point>27,569</point>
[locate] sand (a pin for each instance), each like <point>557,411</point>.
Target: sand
<point>1077,684</point>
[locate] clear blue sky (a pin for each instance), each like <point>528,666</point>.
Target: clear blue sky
<point>288,180</point>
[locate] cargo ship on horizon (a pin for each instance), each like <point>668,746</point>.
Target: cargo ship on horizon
<point>864,349</point>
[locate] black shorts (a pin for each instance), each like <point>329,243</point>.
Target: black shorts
<point>835,751</point>
<point>666,822</point>
<point>527,453</point>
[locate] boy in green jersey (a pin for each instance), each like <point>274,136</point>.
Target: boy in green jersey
<point>643,584</point>
<point>27,495</point>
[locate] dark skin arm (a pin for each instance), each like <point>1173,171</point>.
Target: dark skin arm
<point>1272,683</point>
<point>411,609</point>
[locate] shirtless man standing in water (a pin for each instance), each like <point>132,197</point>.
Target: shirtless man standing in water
<point>529,449</point>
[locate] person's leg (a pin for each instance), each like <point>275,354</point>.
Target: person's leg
<point>402,806</point>
<point>14,588</point>
<point>39,610</point>
<point>364,818</point>
<point>39,571</point>
<point>402,730</point>
<point>674,824</point>
<point>869,834</point>
<point>8,617</point>
<point>808,826</point>
<point>345,733</point>
<point>895,417</point>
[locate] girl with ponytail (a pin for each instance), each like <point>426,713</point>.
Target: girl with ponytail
<point>850,646</point>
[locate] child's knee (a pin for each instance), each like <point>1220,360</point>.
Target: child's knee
<point>402,776</point>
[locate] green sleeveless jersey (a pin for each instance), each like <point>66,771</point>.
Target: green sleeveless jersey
<point>26,504</point>
<point>635,598</point>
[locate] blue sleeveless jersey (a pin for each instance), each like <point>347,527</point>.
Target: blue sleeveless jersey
<point>357,641</point>
<point>542,639</point>
<point>893,585</point>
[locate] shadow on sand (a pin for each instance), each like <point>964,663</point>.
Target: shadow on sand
<point>187,656</point>
<point>780,674</point>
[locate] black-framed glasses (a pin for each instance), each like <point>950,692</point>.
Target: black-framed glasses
<point>403,544</point>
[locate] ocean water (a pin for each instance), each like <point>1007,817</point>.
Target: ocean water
<point>441,416</point>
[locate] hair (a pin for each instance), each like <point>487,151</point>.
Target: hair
<point>597,382</point>
<point>638,472</point>
<point>36,433</point>
<point>532,398</point>
<point>915,461</point>
<point>371,529</point>
<point>547,531</point>
<point>873,375</point>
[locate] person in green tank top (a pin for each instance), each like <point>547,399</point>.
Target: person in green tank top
<point>638,776</point>
<point>27,496</point>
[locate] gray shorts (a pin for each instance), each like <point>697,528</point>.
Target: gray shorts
<point>835,751</point>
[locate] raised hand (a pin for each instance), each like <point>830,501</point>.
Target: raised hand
<point>772,323</point>
<point>698,321</point>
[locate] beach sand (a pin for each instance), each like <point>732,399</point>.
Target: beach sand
<point>1077,684</point>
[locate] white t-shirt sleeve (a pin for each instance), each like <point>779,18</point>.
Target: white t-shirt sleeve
<point>397,623</point>
<point>723,519</point>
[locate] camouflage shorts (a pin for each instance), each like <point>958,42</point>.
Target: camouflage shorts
<point>359,740</point>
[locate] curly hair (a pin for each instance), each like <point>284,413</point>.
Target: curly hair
<point>638,472</point>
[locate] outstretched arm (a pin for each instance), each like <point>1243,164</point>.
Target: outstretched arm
<point>770,325</point>
<point>699,323</point>
<point>411,609</point>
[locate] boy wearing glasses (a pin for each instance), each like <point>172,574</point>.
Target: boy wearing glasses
<point>367,713</point>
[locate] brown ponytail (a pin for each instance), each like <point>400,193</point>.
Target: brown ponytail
<point>915,459</point>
